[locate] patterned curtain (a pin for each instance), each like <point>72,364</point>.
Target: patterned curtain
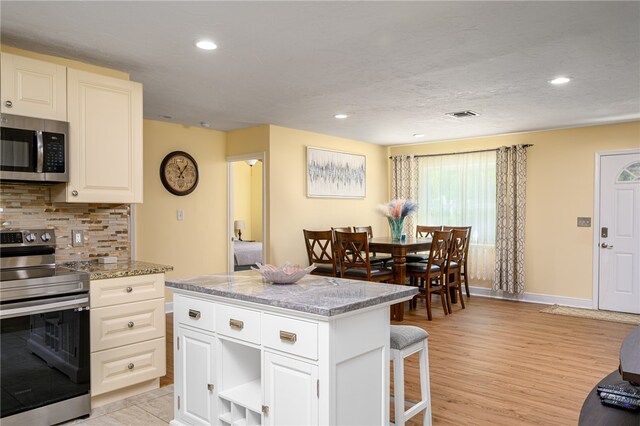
<point>404,185</point>
<point>511,179</point>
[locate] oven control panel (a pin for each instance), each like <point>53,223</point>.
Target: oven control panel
<point>14,238</point>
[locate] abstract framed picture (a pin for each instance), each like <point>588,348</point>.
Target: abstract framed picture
<point>335,174</point>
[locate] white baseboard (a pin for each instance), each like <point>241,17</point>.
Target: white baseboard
<point>168,307</point>
<point>533,298</point>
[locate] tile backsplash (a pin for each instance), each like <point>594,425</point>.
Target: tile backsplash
<point>105,226</point>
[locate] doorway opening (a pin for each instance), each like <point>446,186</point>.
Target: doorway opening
<point>246,211</point>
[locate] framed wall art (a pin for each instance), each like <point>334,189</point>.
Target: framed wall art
<point>335,174</point>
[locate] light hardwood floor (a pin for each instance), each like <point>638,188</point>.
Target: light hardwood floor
<point>504,363</point>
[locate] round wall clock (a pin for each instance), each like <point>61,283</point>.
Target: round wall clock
<point>179,173</point>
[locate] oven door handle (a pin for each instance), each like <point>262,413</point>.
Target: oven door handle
<point>40,306</point>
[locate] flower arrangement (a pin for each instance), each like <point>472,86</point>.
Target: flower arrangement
<point>395,211</point>
<point>398,208</point>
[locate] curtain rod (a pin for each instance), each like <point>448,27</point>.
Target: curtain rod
<point>458,153</point>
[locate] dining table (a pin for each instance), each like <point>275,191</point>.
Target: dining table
<point>398,249</point>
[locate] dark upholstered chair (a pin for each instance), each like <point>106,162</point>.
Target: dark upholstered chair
<point>430,275</point>
<point>353,256</point>
<point>320,251</point>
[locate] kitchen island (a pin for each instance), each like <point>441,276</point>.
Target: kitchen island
<point>247,352</point>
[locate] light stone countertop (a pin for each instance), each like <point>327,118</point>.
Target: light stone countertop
<point>100,271</point>
<point>312,294</point>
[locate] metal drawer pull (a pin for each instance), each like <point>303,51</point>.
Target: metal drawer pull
<point>130,366</point>
<point>288,336</point>
<point>210,387</point>
<point>194,314</point>
<point>234,323</point>
<point>129,289</point>
<point>130,324</point>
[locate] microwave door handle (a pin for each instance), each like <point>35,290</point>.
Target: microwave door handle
<point>40,151</point>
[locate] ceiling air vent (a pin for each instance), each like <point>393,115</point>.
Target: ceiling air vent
<point>462,114</point>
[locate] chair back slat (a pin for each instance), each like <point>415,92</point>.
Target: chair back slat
<point>439,249</point>
<point>367,229</point>
<point>423,231</point>
<point>320,250</point>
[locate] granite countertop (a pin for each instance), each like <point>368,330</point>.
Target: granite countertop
<point>100,271</point>
<point>312,294</point>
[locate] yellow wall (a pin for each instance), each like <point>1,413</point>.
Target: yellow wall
<point>66,62</point>
<point>291,209</point>
<point>560,187</point>
<point>197,245</point>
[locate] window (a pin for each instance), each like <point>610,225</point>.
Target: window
<point>631,173</point>
<point>460,190</point>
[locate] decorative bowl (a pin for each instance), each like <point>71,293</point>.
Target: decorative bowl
<point>286,274</point>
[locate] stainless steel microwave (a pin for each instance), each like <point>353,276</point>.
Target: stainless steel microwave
<point>33,149</point>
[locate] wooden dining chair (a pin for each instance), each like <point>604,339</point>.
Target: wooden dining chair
<point>321,252</point>
<point>374,257</point>
<point>430,275</point>
<point>354,258</point>
<point>455,258</point>
<point>423,231</point>
<point>464,273</point>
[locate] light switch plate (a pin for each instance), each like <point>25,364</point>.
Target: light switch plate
<point>180,215</point>
<point>584,222</point>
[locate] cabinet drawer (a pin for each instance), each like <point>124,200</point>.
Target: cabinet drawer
<point>121,325</point>
<point>127,365</point>
<point>239,323</point>
<point>290,335</point>
<point>114,291</point>
<point>194,312</point>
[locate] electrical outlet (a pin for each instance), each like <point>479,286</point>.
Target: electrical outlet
<point>77,238</point>
<point>584,222</point>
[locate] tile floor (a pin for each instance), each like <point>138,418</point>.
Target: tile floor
<point>148,409</point>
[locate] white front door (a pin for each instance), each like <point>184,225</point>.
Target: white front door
<point>619,233</point>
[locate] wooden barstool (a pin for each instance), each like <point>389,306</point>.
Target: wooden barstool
<point>405,340</point>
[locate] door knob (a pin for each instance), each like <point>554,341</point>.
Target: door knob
<point>605,245</point>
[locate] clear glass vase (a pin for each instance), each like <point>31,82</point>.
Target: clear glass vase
<point>396,224</point>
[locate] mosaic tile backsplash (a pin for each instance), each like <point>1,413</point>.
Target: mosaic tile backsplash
<point>105,226</point>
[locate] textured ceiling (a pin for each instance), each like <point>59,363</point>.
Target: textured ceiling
<point>395,67</point>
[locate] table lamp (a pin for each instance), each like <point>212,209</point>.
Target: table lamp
<point>239,225</point>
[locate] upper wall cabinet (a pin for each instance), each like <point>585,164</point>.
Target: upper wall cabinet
<point>105,140</point>
<point>33,88</point>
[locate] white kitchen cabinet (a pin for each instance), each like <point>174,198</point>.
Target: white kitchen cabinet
<point>290,391</point>
<point>33,88</point>
<point>127,336</point>
<point>196,400</point>
<point>278,366</point>
<point>105,140</point>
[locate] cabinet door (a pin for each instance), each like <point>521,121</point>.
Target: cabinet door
<point>105,134</point>
<point>33,88</point>
<point>290,391</point>
<point>194,392</point>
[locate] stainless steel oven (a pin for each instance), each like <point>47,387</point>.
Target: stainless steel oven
<point>44,324</point>
<point>33,149</point>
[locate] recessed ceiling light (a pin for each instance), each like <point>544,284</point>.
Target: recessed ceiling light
<point>418,135</point>
<point>560,80</point>
<point>166,117</point>
<point>205,124</point>
<point>341,116</point>
<point>206,45</point>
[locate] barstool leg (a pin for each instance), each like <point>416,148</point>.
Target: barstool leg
<point>425,385</point>
<point>398,387</point>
